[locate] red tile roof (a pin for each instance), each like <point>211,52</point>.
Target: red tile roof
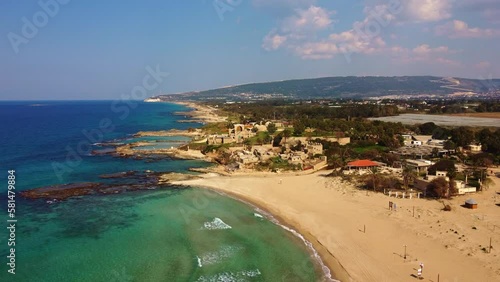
<point>363,163</point>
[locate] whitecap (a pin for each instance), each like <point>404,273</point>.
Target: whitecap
<point>215,224</point>
<point>199,261</point>
<point>219,255</point>
<point>257,215</point>
<point>241,276</point>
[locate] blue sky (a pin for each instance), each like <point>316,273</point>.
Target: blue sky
<point>100,49</point>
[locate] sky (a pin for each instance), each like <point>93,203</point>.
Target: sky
<point>93,49</point>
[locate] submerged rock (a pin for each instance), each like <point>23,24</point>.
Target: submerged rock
<point>117,175</point>
<point>122,182</point>
<point>62,192</point>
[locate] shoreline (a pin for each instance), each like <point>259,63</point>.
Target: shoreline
<point>331,214</point>
<point>324,258</point>
<point>198,113</point>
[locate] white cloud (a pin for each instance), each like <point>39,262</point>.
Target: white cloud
<point>298,33</point>
<point>425,50</point>
<point>314,18</point>
<point>273,42</point>
<point>460,29</point>
<point>424,53</point>
<point>416,11</point>
<point>428,10</point>
<point>283,3</point>
<point>482,65</point>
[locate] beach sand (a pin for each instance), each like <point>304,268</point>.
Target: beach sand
<point>201,113</point>
<point>360,239</point>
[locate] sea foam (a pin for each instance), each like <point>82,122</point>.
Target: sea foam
<point>240,276</point>
<point>218,256</point>
<point>215,224</point>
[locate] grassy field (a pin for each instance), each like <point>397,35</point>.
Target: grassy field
<point>361,150</point>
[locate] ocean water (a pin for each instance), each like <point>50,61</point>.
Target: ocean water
<point>172,234</point>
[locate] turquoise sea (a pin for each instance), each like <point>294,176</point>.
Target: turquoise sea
<point>169,234</point>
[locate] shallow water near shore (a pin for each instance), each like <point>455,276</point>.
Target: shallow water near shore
<point>164,235</point>
<point>169,234</point>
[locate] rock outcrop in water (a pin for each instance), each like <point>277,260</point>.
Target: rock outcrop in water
<point>123,182</point>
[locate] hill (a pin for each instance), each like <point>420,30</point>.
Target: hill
<point>348,88</point>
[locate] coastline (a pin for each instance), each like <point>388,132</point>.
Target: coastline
<point>331,215</point>
<point>199,113</point>
<point>335,269</point>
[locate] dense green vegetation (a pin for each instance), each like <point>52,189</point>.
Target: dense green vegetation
<point>292,111</point>
<point>463,136</point>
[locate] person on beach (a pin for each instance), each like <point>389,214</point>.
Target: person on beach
<point>394,207</point>
<point>419,273</point>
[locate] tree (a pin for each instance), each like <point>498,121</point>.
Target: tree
<point>298,128</point>
<point>271,128</point>
<point>462,136</point>
<point>452,174</point>
<point>487,182</point>
<point>449,145</point>
<point>442,165</point>
<point>427,128</point>
<point>286,133</point>
<point>409,176</point>
<point>374,171</point>
<point>438,187</point>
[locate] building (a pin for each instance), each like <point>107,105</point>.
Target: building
<point>314,149</point>
<point>463,188</point>
<point>416,143</point>
<point>246,157</point>
<point>316,164</point>
<point>419,165</point>
<point>219,139</point>
<point>363,164</point>
<point>471,204</point>
<point>240,132</point>
<point>263,153</point>
<point>475,148</point>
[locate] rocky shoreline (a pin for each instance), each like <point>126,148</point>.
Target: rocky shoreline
<point>124,181</point>
<point>119,182</point>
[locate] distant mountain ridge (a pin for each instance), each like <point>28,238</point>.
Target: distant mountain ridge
<point>350,87</point>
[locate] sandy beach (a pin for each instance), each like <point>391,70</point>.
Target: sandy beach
<point>200,113</point>
<point>360,239</point>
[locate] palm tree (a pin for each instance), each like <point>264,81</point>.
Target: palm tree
<point>487,182</point>
<point>452,174</point>
<point>374,171</point>
<point>286,133</point>
<point>409,176</point>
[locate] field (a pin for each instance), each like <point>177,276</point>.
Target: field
<point>480,115</point>
<point>443,120</point>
